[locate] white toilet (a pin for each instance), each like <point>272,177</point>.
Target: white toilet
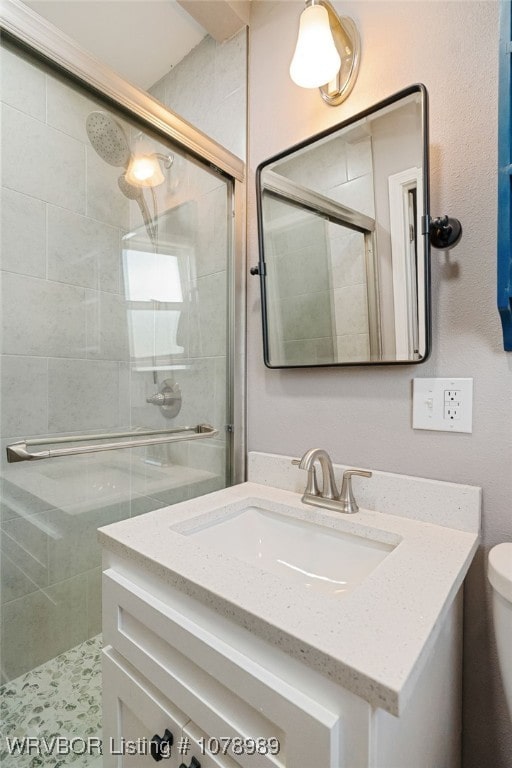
<point>500,575</point>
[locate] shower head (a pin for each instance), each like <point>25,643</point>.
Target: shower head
<point>135,193</point>
<point>129,190</point>
<point>108,139</point>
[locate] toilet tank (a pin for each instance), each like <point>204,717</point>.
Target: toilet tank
<point>500,576</point>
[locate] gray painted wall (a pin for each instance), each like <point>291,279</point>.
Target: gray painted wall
<point>363,416</point>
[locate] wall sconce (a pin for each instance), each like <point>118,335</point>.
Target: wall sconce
<point>327,52</point>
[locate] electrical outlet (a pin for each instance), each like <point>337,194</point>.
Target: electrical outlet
<point>452,411</point>
<point>452,404</point>
<point>443,404</point>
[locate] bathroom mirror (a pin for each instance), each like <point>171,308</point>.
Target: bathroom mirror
<point>344,252</point>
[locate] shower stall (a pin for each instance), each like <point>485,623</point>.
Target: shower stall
<point>122,349</point>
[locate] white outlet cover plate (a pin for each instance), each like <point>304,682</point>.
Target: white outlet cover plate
<point>428,404</point>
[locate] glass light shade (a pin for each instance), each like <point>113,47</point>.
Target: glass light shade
<point>316,60</point>
<point>144,171</point>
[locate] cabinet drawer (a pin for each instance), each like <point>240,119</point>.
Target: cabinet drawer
<point>214,752</point>
<point>225,693</point>
<point>133,713</point>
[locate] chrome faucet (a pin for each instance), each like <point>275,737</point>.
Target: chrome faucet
<point>329,490</point>
<point>329,497</point>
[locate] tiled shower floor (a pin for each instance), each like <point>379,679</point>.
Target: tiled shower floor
<point>62,697</point>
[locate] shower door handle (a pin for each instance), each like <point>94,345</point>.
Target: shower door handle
<point>19,451</point>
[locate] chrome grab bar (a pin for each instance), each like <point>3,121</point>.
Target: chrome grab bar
<point>19,451</point>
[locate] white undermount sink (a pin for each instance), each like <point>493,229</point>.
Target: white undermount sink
<point>314,556</point>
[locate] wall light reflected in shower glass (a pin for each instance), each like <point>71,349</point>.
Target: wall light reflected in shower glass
<point>144,168</point>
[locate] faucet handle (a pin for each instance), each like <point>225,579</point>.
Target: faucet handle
<point>346,496</point>
<point>312,484</point>
<point>362,472</point>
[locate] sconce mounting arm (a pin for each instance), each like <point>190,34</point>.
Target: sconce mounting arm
<point>348,44</point>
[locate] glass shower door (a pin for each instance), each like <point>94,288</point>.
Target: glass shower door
<point>115,306</point>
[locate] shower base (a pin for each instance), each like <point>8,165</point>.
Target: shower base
<point>62,697</point>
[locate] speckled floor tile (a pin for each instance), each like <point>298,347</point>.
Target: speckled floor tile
<point>60,698</point>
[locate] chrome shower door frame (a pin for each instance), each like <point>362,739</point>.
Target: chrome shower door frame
<point>42,38</point>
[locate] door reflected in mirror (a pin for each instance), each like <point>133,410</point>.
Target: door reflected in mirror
<point>343,257</point>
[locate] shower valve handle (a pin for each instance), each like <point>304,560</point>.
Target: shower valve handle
<point>161,398</point>
<point>168,398</point>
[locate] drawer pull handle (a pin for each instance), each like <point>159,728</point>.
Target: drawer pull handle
<point>161,745</point>
<point>194,763</point>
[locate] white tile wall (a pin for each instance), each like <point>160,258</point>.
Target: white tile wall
<point>23,234</point>
<point>351,309</point>
<point>42,318</point>
<point>357,194</point>
<point>359,158</point>
<point>24,395</point>
<point>15,582</point>
<point>107,326</point>
<point>41,161</point>
<point>15,72</point>
<point>302,271</point>
<point>66,334</point>
<point>315,168</point>
<point>104,200</point>
<point>43,624</point>
<point>67,110</point>
<point>82,251</point>
<point>353,347</point>
<point>211,217</point>
<point>338,319</point>
<point>320,351</point>
<point>210,314</point>
<point>307,316</point>
<point>72,545</point>
<point>347,257</point>
<point>83,395</point>
<point>25,542</point>
<point>197,384</point>
<point>208,88</point>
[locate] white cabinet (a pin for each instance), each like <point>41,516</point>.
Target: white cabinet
<point>134,713</point>
<point>144,727</point>
<point>172,664</point>
<point>225,693</point>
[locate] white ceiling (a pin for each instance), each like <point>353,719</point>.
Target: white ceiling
<point>140,39</point>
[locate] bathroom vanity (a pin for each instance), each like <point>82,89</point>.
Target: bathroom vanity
<point>247,623</point>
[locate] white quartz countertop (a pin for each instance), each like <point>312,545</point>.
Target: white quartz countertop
<point>372,641</point>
